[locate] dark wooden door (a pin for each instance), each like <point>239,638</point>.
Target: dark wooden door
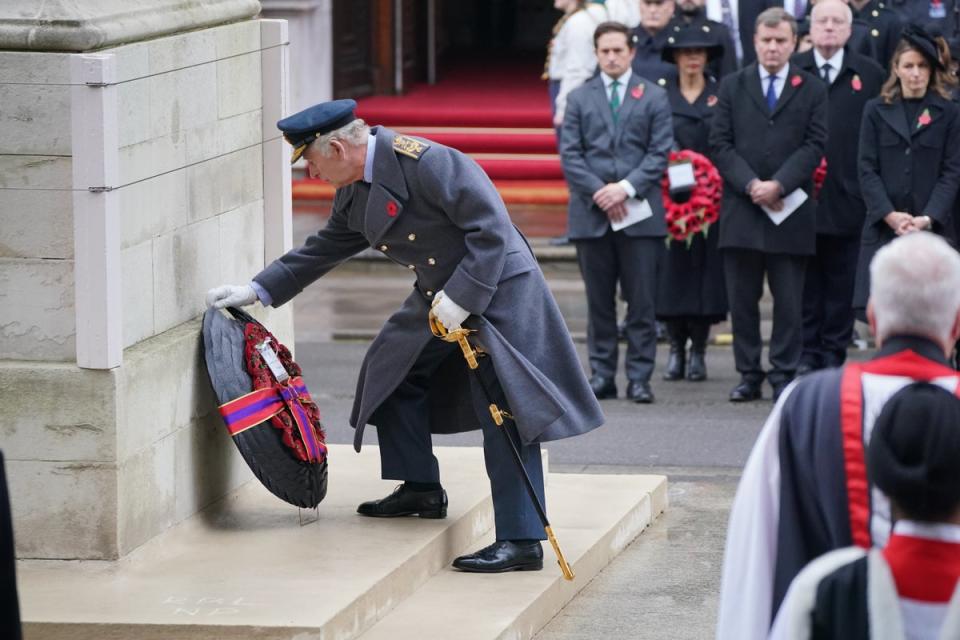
<point>354,52</point>
<point>414,28</point>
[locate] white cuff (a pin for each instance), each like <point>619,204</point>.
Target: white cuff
<point>626,186</point>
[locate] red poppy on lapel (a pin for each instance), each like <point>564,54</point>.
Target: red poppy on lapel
<point>924,119</point>
<point>856,83</point>
<point>796,81</point>
<point>711,101</point>
<point>392,209</point>
<point>637,91</point>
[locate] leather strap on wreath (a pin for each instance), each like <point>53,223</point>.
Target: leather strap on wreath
<point>259,406</point>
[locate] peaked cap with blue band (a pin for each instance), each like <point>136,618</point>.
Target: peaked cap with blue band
<point>304,127</point>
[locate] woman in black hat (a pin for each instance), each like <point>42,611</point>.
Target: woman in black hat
<point>690,292</point>
<point>910,589</point>
<point>909,152</point>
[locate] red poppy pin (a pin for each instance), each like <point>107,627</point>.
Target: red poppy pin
<point>712,101</point>
<point>637,91</point>
<point>392,209</point>
<point>796,81</point>
<point>856,83</point>
<point>924,119</point>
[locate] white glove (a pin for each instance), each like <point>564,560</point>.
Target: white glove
<point>231,295</point>
<point>448,312</point>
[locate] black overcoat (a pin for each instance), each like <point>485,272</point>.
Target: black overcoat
<point>883,28</point>
<point>840,207</point>
<point>910,167</point>
<point>690,281</point>
<point>749,142</point>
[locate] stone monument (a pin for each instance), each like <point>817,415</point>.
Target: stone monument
<point>139,166</point>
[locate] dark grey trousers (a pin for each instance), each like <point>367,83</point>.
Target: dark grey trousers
<point>406,446</point>
<point>744,271</point>
<point>631,262</point>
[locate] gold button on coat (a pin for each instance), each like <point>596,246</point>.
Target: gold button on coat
<point>431,261</point>
<point>411,267</point>
<point>429,293</point>
<point>383,248</point>
<point>412,237</point>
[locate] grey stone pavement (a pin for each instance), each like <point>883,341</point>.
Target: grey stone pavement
<point>664,585</point>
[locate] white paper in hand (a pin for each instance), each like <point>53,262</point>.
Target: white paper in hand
<point>637,211</point>
<point>791,203</point>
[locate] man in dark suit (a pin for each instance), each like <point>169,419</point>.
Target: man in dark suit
<point>852,79</point>
<point>740,16</point>
<point>692,13</point>
<point>615,140</point>
<point>768,136</point>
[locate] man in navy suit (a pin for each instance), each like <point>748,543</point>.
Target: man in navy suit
<point>767,137</point>
<point>617,134</point>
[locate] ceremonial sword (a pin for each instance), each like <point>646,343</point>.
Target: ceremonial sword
<point>471,355</point>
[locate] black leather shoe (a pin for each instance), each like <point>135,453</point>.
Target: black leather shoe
<point>746,391</point>
<point>778,388</point>
<point>503,555</point>
<point>640,392</point>
<point>603,388</point>
<point>697,366</point>
<point>406,502</point>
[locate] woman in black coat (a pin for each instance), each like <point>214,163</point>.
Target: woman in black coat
<point>690,289</point>
<point>909,153</point>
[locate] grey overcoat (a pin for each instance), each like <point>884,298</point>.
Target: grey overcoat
<point>433,210</point>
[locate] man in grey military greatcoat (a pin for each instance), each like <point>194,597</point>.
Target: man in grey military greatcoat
<point>432,210</point>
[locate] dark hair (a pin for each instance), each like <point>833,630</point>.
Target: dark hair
<point>914,452</point>
<point>941,81</point>
<point>613,27</point>
<point>773,16</point>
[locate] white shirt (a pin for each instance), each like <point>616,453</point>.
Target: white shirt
<point>778,84</point>
<point>368,163</point>
<point>624,80</point>
<point>836,62</point>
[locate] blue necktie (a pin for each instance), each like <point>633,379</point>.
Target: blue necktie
<point>771,94</point>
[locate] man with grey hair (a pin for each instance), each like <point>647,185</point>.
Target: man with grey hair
<point>805,490</point>
<point>852,80</point>
<point>433,211</point>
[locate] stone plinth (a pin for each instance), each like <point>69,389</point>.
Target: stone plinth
<point>131,181</point>
<point>72,25</point>
<point>311,54</point>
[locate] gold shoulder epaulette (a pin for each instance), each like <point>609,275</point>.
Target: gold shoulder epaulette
<point>409,147</point>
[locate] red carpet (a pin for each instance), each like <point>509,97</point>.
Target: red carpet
<point>499,113</point>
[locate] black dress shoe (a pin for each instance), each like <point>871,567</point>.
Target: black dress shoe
<point>746,391</point>
<point>406,502</point>
<point>640,392</point>
<point>603,388</point>
<point>503,555</point>
<point>778,388</point>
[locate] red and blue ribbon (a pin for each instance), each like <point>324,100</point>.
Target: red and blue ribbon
<point>251,409</point>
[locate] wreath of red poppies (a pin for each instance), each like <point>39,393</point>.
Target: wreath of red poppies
<point>702,209</point>
<point>261,377</point>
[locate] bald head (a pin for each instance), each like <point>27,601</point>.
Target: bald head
<point>830,26</point>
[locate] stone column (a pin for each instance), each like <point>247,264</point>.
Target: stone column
<point>311,52</point>
<point>132,179</point>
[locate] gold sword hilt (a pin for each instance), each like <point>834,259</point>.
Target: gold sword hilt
<point>458,335</point>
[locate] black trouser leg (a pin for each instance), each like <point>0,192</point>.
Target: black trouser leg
<point>743,271</point>
<point>785,276</point>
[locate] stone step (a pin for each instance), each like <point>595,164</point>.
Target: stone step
<point>594,518</point>
<point>247,568</point>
